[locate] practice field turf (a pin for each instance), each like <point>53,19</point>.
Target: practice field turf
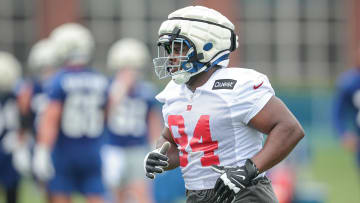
<point>336,168</point>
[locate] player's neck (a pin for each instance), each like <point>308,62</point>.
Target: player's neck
<point>200,79</point>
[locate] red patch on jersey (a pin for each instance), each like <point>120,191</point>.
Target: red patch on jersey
<point>259,85</point>
<point>188,108</point>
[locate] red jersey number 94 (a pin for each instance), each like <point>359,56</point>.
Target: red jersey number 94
<point>201,133</point>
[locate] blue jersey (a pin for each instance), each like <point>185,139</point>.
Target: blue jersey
<point>37,103</point>
<point>76,154</point>
<point>9,123</point>
<point>127,123</point>
<point>347,102</point>
<point>83,94</point>
<point>9,114</point>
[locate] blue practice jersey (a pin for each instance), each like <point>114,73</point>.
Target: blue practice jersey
<point>127,123</point>
<point>9,114</point>
<point>9,123</point>
<point>347,102</point>
<point>38,103</point>
<point>83,94</point>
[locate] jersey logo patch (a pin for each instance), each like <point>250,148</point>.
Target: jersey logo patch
<point>224,84</point>
<point>259,85</point>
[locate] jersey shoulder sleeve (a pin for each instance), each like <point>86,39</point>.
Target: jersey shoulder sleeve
<point>243,80</point>
<point>170,92</point>
<point>53,87</point>
<point>251,92</point>
<point>168,95</point>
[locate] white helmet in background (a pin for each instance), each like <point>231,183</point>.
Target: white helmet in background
<point>42,56</point>
<point>127,53</point>
<point>208,34</point>
<point>74,43</point>
<point>10,71</point>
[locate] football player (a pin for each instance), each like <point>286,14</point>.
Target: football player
<point>31,97</point>
<point>215,117</point>
<point>42,64</point>
<point>10,72</point>
<point>133,120</point>
<point>346,110</point>
<point>67,153</point>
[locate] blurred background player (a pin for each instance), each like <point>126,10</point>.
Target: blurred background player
<point>133,121</point>
<point>31,97</point>
<point>67,154</point>
<point>32,100</point>
<point>10,72</point>
<point>346,112</point>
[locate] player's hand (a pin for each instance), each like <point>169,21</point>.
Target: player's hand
<point>42,163</point>
<point>9,142</point>
<point>233,180</point>
<point>21,160</point>
<point>156,160</point>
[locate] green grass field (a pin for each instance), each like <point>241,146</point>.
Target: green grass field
<point>336,168</point>
<point>332,167</point>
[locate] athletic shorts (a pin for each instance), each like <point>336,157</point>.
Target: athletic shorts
<point>9,177</point>
<point>75,173</point>
<point>123,165</point>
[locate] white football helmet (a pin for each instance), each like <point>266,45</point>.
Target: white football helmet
<point>74,44</point>
<point>127,53</point>
<point>10,71</point>
<point>208,35</point>
<point>42,56</point>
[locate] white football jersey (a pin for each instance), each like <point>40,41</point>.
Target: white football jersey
<point>210,124</point>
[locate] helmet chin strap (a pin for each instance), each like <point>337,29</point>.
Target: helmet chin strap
<point>181,78</point>
<point>184,77</point>
<point>221,59</point>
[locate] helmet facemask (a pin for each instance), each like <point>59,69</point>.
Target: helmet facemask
<point>173,61</point>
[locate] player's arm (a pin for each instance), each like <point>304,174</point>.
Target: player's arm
<point>164,157</point>
<point>23,102</point>
<point>47,135</point>
<point>173,152</point>
<point>21,157</point>
<point>49,124</point>
<point>283,130</point>
<point>155,124</point>
<point>342,104</point>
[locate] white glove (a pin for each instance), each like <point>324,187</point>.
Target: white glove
<point>22,160</point>
<point>10,142</point>
<point>42,163</point>
<point>19,150</point>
